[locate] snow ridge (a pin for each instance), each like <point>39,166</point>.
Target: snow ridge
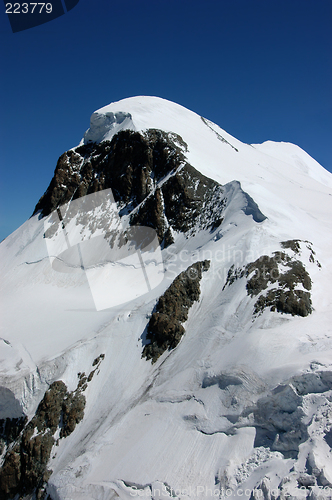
<point>240,407</point>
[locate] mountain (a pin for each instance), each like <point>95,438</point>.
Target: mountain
<point>166,318</point>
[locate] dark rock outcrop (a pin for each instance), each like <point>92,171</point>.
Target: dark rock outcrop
<point>25,465</point>
<point>284,298</point>
<point>193,200</point>
<point>165,328</point>
<point>284,274</point>
<point>150,180</point>
<point>124,164</point>
<point>10,428</point>
<point>292,244</point>
<point>295,246</point>
<point>24,470</point>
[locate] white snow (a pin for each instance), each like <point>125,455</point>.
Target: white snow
<point>158,425</point>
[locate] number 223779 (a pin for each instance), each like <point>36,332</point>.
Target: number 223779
<point>28,8</point>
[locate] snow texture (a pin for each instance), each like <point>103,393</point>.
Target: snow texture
<point>242,406</point>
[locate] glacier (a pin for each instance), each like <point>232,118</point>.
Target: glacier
<point>241,407</point>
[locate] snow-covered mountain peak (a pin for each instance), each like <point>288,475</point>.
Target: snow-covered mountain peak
<point>137,113</point>
<point>214,380</point>
<point>215,153</point>
<point>293,154</point>
<point>145,112</point>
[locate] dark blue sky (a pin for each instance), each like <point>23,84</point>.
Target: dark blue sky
<point>261,69</point>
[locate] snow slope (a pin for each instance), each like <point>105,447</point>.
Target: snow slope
<point>185,426</point>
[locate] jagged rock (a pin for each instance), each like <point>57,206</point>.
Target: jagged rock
<point>292,244</point>
<point>294,302</point>
<point>186,194</point>
<point>267,271</point>
<point>24,470</point>
<point>283,297</point>
<point>49,410</point>
<point>123,164</point>
<point>35,453</point>
<point>25,465</point>
<point>10,428</point>
<point>233,275</point>
<point>72,412</point>
<point>98,359</point>
<point>151,213</point>
<point>295,246</point>
<point>10,474</point>
<point>135,166</point>
<point>165,328</point>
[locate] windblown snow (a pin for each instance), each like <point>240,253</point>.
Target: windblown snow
<point>242,406</point>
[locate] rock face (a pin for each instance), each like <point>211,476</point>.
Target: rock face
<point>150,179</point>
<point>10,428</point>
<point>275,280</point>
<point>165,327</point>
<point>283,296</point>
<point>25,466</point>
<point>24,470</point>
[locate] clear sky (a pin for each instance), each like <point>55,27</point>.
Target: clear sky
<point>261,69</point>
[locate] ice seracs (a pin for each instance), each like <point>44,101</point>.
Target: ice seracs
<point>106,124</point>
